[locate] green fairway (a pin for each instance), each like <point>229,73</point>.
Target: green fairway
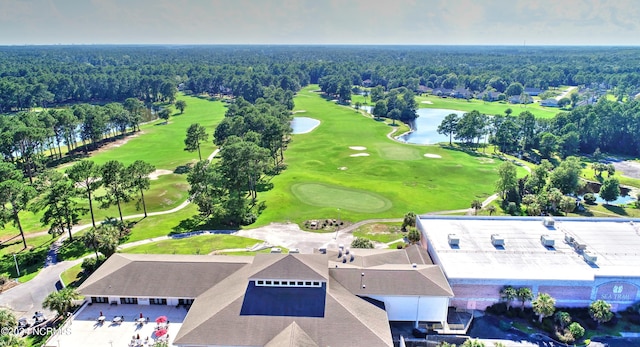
<point>323,175</point>
<point>158,144</point>
<point>496,107</point>
<point>349,199</point>
<point>203,244</point>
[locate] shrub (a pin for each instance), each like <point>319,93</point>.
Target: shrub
<point>359,242</point>
<point>589,198</point>
<point>513,209</point>
<point>576,330</point>
<point>497,309</point>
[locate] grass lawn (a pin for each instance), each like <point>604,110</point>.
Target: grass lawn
<point>322,175</point>
<point>380,232</point>
<point>202,244</point>
<point>158,144</point>
<point>496,107</point>
<point>72,277</point>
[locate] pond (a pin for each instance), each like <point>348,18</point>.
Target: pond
<point>303,125</point>
<point>624,198</point>
<point>425,127</point>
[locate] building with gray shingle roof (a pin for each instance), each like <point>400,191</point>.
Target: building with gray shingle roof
<point>281,299</point>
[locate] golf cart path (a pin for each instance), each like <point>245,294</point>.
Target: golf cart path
<point>78,228</point>
<point>28,298</point>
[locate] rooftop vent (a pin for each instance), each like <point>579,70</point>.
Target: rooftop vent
<point>548,222</point>
<point>414,265</point>
<point>547,241</point>
<point>344,259</point>
<point>341,246</point>
<point>322,250</point>
<point>352,257</point>
<point>454,240</point>
<point>346,250</point>
<point>590,257</point>
<point>497,240</point>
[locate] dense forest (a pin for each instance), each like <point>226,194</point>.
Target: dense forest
<point>43,76</point>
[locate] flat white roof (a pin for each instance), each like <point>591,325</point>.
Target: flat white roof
<point>615,243</point>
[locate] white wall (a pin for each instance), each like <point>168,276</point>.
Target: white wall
<point>413,308</point>
<point>143,301</point>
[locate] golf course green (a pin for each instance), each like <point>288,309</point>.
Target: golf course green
<point>349,163</point>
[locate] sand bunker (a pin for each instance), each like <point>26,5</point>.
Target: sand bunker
<point>360,155</point>
<point>300,111</point>
<point>154,175</point>
<point>342,168</point>
<point>426,102</point>
<point>429,155</point>
<point>357,148</point>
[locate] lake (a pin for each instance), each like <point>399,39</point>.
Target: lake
<point>302,125</point>
<point>425,127</point>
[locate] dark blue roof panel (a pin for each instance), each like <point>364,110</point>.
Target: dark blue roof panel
<point>284,301</point>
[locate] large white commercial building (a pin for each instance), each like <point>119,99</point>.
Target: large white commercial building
<point>575,260</point>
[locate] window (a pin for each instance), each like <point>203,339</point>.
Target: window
<point>279,283</point>
<point>99,299</point>
<point>133,301</point>
<point>185,301</point>
<point>156,301</point>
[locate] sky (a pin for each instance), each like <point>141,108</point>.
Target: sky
<point>421,22</point>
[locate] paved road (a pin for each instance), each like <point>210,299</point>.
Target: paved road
<point>26,298</point>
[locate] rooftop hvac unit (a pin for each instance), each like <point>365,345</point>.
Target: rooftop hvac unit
<point>580,246</point>
<point>547,241</point>
<point>568,238</point>
<point>590,257</point>
<point>276,250</point>
<point>548,222</point>
<point>294,250</point>
<point>497,240</point>
<point>454,240</point>
<point>322,250</point>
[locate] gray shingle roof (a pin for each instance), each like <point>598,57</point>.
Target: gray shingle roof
<point>164,276</point>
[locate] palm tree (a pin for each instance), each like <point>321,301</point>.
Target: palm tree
<point>472,343</point>
<point>61,301</point>
<point>491,209</point>
<point>476,205</point>
<point>12,340</point>
<point>524,294</point>
<point>563,319</point>
<point>600,311</point>
<point>508,294</point>
<point>7,319</point>
<point>408,221</point>
<point>544,306</point>
<point>413,236</point>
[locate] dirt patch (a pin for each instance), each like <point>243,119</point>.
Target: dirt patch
<point>299,111</point>
<point>628,168</point>
<point>426,102</point>
<point>434,156</point>
<point>342,168</point>
<point>358,148</point>
<point>360,155</point>
<point>156,174</point>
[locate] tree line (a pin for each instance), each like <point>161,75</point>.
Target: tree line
<point>252,139</point>
<point>58,195</point>
<point>45,76</point>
